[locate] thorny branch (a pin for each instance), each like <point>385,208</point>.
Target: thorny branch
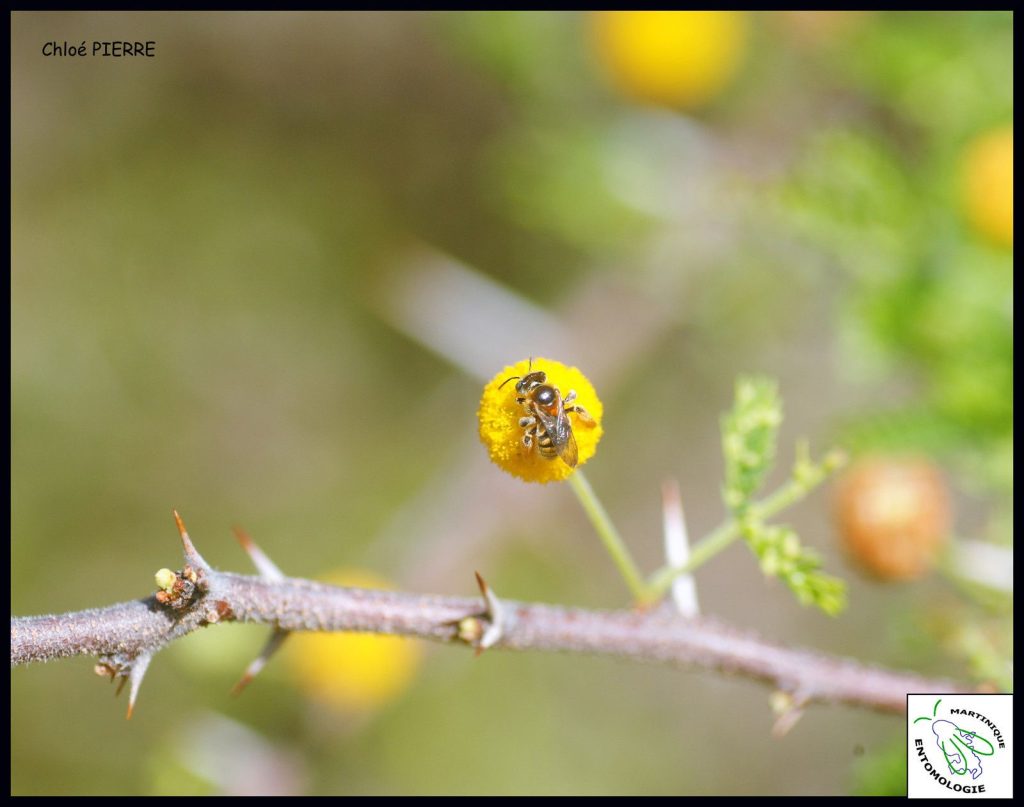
<point>127,635</point>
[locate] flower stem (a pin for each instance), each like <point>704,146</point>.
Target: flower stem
<point>609,535</point>
<point>723,535</point>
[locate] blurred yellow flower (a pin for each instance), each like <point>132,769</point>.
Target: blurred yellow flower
<point>501,433</point>
<point>353,672</point>
<point>987,185</point>
<point>679,59</point>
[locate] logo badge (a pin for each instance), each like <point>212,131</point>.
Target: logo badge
<point>959,746</point>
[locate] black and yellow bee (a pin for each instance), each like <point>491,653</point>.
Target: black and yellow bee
<point>546,423</point>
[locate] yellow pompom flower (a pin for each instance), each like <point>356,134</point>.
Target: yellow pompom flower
<point>500,415</point>
<point>353,672</point>
<point>679,59</point>
<point>987,185</point>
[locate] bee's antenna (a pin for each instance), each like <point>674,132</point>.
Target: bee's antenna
<point>510,378</point>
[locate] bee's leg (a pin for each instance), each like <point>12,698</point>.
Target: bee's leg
<point>529,423</point>
<point>583,414</point>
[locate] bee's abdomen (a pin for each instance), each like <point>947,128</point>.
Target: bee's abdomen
<point>545,444</point>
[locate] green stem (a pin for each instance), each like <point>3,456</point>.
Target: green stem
<point>702,551</point>
<point>725,534</point>
<point>609,535</point>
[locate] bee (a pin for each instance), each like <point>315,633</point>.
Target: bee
<point>546,423</point>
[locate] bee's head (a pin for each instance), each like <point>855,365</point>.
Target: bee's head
<point>531,380</point>
<point>526,382</point>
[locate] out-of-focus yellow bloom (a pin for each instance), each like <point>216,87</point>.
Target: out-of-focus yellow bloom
<point>987,185</point>
<point>353,672</point>
<point>501,433</point>
<point>679,59</point>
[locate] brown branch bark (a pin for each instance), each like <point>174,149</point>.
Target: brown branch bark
<point>130,633</point>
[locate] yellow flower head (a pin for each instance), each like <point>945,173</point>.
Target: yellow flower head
<point>500,414</point>
<point>353,672</point>
<point>680,59</point>
<point>987,185</point>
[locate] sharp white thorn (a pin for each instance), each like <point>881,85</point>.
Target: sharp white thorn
<point>677,549</point>
<point>192,555</point>
<point>275,641</point>
<point>984,563</point>
<point>264,565</point>
<point>135,676</point>
<point>498,616</point>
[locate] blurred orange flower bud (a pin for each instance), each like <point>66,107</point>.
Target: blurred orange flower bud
<point>894,515</point>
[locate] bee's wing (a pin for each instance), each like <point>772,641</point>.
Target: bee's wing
<point>560,430</point>
<point>567,449</point>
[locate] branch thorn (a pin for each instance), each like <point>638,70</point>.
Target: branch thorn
<point>191,555</point>
<point>788,707</point>
<point>135,675</point>
<point>264,565</point>
<point>498,617</point>
<point>273,643</point>
<point>677,549</point>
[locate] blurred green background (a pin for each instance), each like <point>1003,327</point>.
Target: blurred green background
<point>261,277</point>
